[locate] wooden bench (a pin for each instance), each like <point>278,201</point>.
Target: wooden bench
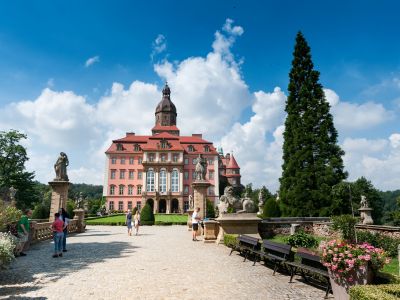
<point>309,263</point>
<point>246,245</point>
<point>278,253</point>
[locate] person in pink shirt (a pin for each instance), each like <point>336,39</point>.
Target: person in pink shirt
<point>57,227</point>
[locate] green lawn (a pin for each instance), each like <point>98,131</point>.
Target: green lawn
<point>392,267</point>
<point>160,219</point>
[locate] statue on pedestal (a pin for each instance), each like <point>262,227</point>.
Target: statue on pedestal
<point>79,201</point>
<point>201,168</point>
<point>260,202</point>
<point>60,167</point>
<point>191,203</point>
<point>365,212</point>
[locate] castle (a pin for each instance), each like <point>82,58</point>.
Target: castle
<point>159,169</point>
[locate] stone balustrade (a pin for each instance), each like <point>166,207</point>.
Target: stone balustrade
<point>43,231</point>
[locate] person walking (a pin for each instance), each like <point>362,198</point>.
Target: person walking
<point>128,221</point>
<point>23,229</point>
<point>57,226</point>
<point>64,216</point>
<point>195,223</point>
<point>137,222</point>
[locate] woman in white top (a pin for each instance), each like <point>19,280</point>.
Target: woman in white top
<point>137,222</point>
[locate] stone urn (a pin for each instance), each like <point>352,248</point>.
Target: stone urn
<point>340,285</point>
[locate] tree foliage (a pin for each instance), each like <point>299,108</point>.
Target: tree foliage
<point>13,157</point>
<point>312,160</point>
<point>271,208</point>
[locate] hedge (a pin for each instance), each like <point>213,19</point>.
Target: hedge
<point>230,240</point>
<point>375,292</point>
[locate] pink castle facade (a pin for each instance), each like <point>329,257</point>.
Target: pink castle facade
<point>159,169</point>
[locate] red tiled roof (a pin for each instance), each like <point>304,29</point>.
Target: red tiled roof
<point>164,135</point>
<point>232,163</point>
<point>166,128</point>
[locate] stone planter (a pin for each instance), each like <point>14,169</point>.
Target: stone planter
<point>340,287</point>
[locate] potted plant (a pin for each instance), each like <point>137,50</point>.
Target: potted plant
<point>351,264</point>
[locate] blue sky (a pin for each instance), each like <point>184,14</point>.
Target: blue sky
<point>355,46</point>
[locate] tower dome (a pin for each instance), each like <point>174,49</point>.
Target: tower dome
<point>166,105</point>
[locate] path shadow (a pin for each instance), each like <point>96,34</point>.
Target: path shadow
<point>30,273</point>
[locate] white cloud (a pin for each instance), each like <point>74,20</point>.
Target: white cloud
<point>259,159</point>
<point>159,45</point>
<point>92,60</point>
<point>353,116</point>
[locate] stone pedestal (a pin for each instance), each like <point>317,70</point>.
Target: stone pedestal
<point>365,216</point>
<point>59,197</point>
<point>189,221</point>
<point>243,223</point>
<point>211,229</point>
<point>200,196</point>
<point>80,216</point>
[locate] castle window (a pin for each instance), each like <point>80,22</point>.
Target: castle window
<point>163,181</point>
<point>130,189</point>
<point>140,160</point>
<point>122,160</point>
<point>175,181</point>
<point>120,206</point>
<point>139,175</point>
<point>164,145</point>
<point>131,174</point>
<point>186,189</point>
<point>113,160</point>
<point>190,148</point>
<point>131,160</point>
<point>111,205</point>
<point>136,148</point>
<point>175,157</point>
<point>211,174</point>
<point>130,205</point>
<point>139,205</point>
<point>163,157</point>
<point>151,156</point>
<point>112,176</point>
<point>112,189</point>
<point>121,190</point>
<point>150,180</point>
<point>186,175</point>
<point>119,147</point>
<point>139,189</point>
<point>121,174</point>
<point>206,148</point>
<point>186,161</point>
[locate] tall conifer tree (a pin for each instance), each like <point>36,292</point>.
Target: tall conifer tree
<point>312,160</point>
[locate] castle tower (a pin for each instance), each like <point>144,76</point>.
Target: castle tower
<point>165,115</point>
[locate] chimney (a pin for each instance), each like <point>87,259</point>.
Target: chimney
<point>130,134</point>
<point>198,135</point>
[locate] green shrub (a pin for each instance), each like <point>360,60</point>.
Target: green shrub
<point>41,211</point>
<point>345,224</point>
<point>70,208</point>
<point>375,292</point>
<point>210,210</point>
<point>230,240</point>
<point>379,240</point>
<point>8,215</point>
<point>147,216</point>
<point>302,239</point>
<point>271,208</point>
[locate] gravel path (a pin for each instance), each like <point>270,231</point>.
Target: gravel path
<point>161,263</point>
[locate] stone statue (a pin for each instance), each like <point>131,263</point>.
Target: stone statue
<point>363,202</point>
<point>191,204</point>
<point>12,191</point>
<point>260,202</point>
<point>61,167</point>
<point>228,200</point>
<point>201,168</point>
<point>79,201</point>
<point>248,205</point>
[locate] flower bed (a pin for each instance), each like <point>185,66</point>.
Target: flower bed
<point>7,246</point>
<point>343,258</point>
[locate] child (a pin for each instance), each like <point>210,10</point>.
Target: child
<point>58,234</point>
